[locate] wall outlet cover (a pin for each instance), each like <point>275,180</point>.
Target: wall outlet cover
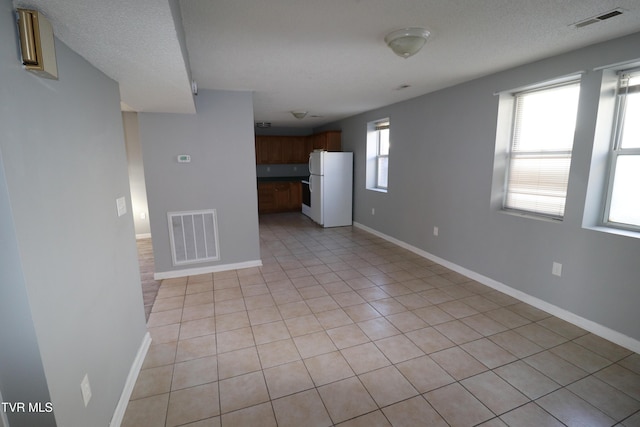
<point>121,205</point>
<point>556,270</point>
<point>85,387</point>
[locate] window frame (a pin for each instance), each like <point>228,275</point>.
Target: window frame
<point>373,154</point>
<point>616,150</point>
<point>379,127</point>
<point>511,153</point>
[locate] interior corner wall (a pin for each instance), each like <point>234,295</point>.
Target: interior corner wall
<point>64,163</point>
<point>440,174</point>
<point>221,174</point>
<point>139,207</point>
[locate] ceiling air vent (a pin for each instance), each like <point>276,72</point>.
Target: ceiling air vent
<point>594,19</point>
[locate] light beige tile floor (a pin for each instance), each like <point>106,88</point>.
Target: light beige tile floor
<point>150,286</point>
<point>339,327</point>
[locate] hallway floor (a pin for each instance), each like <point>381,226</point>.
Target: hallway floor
<point>150,286</point>
<point>340,327</point>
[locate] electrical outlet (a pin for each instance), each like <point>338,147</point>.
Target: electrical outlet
<point>373,211</point>
<point>435,231</point>
<point>85,387</point>
<point>556,270</point>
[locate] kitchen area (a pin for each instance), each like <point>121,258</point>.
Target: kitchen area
<point>308,174</point>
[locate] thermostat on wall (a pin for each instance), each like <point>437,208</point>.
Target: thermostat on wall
<point>184,158</point>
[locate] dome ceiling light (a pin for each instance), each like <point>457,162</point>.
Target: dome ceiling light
<point>407,41</point>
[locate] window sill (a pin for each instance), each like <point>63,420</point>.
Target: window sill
<point>378,190</point>
<point>616,231</point>
<point>520,214</point>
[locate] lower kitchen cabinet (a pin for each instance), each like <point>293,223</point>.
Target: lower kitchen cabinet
<point>279,196</point>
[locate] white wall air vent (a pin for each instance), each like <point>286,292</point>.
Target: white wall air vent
<point>601,17</point>
<point>37,44</point>
<point>194,236</point>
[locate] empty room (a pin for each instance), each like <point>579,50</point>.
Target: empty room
<point>353,213</point>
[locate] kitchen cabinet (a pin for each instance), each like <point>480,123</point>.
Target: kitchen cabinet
<point>330,141</point>
<point>273,149</point>
<point>281,149</point>
<point>268,150</point>
<point>295,149</point>
<point>279,196</point>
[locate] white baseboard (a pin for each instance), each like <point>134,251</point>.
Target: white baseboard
<point>586,324</point>
<point>118,414</point>
<point>143,236</point>
<point>204,270</point>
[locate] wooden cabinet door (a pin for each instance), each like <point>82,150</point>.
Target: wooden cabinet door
<point>261,150</point>
<point>274,148</point>
<point>286,149</point>
<point>333,141</point>
<point>295,196</point>
<point>318,141</point>
<point>330,141</point>
<point>266,197</point>
<point>268,150</point>
<point>308,147</point>
<point>282,196</point>
<point>299,149</point>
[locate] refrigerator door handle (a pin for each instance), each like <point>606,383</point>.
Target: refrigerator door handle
<point>310,171</point>
<point>310,184</point>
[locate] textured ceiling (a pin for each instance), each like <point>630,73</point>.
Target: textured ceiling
<point>134,42</point>
<point>326,57</point>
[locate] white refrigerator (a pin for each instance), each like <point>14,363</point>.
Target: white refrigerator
<point>330,188</point>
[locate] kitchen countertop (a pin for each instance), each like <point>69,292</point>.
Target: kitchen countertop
<point>282,178</point>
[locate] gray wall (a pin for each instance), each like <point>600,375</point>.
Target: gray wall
<point>440,174</point>
<point>221,175</point>
<point>64,165</point>
<point>136,174</point>
<point>22,377</point>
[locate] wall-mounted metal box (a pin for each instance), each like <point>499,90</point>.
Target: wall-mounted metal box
<point>37,44</point>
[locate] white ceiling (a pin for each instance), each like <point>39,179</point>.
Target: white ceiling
<point>326,57</point>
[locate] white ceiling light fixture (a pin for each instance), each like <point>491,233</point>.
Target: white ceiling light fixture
<point>407,41</point>
<point>299,114</point>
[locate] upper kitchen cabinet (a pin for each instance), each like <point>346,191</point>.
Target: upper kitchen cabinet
<point>295,149</point>
<point>330,141</point>
<point>268,149</point>
<point>273,149</point>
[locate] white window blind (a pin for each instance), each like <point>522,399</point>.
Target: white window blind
<point>623,204</point>
<point>540,155</point>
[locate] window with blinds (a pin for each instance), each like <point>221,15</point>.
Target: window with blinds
<point>540,153</point>
<point>382,154</point>
<point>623,200</point>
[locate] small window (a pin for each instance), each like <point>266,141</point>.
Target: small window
<point>378,144</point>
<point>623,199</point>
<point>382,155</point>
<point>539,157</point>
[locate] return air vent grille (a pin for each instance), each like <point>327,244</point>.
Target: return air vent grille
<point>601,17</point>
<point>194,236</point>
